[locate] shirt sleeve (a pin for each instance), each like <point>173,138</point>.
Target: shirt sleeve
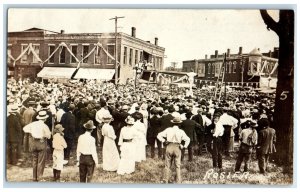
<point>186,139</point>
<point>94,151</point>
<point>161,135</point>
<point>78,148</point>
<point>207,121</point>
<point>27,128</point>
<point>47,132</point>
<point>111,133</point>
<point>219,130</point>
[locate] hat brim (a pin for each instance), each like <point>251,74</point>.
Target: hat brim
<point>44,117</point>
<point>176,122</point>
<point>89,127</point>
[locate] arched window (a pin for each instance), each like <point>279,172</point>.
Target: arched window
<point>229,67</point>
<point>209,68</point>
<point>234,67</point>
<point>213,68</point>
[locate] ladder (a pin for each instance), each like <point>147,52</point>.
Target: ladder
<point>221,76</point>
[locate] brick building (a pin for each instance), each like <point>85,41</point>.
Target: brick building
<point>241,69</point>
<point>42,53</point>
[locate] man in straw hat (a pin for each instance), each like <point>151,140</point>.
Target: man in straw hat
<point>174,136</point>
<point>87,157</point>
<point>39,132</point>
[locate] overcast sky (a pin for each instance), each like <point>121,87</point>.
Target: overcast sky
<point>185,34</point>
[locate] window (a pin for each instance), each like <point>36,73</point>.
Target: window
<point>8,53</point>
<point>213,68</point>
<point>209,68</point>
<point>36,48</point>
<point>51,50</point>
<point>130,57</point>
<point>85,52</point>
<point>111,51</point>
<point>229,67</point>
<point>125,56</point>
<point>62,55</point>
<point>201,70</point>
<point>74,51</point>
<point>234,67</point>
<point>24,57</point>
<point>136,57</point>
<point>98,54</point>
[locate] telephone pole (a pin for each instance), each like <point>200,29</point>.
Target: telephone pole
<point>116,54</point>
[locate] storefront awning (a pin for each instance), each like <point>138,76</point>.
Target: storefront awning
<point>56,72</point>
<point>89,73</point>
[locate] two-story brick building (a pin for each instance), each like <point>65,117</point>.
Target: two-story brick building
<point>47,54</point>
<point>240,69</point>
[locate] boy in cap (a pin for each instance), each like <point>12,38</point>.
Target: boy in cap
<point>174,136</point>
<point>248,138</point>
<point>87,157</point>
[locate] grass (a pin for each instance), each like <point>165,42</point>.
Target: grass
<point>199,171</point>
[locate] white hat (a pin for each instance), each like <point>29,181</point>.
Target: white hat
<point>42,115</point>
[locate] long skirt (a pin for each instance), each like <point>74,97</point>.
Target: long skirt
<point>110,154</point>
<point>127,161</point>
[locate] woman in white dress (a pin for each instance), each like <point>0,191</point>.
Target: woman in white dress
<point>127,147</point>
<point>140,139</point>
<point>110,152</point>
<point>145,113</point>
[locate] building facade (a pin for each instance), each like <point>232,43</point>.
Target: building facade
<point>241,69</point>
<point>41,53</point>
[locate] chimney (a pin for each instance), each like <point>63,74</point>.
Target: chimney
<point>216,53</point>
<point>62,31</point>
<point>205,56</point>
<point>240,50</point>
<point>155,41</point>
<point>148,41</point>
<point>228,52</point>
<point>133,32</point>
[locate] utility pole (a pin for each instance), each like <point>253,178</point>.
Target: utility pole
<point>116,54</point>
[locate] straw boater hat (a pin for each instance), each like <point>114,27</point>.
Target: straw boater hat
<point>176,120</point>
<point>89,125</point>
<point>42,115</point>
<point>129,120</point>
<point>58,128</point>
<point>14,109</point>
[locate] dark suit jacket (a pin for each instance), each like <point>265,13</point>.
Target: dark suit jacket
<point>68,122</point>
<point>155,127</point>
<point>266,140</point>
<point>14,128</point>
<point>189,127</point>
<point>166,121</point>
<point>198,119</point>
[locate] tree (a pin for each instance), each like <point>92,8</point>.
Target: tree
<point>284,102</point>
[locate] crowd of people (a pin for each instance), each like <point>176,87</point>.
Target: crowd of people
<point>122,121</point>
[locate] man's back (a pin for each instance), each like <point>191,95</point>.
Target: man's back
<point>266,140</point>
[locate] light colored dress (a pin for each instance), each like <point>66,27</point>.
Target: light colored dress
<point>140,141</point>
<point>110,152</point>
<point>145,114</point>
<point>128,151</point>
<point>58,144</point>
